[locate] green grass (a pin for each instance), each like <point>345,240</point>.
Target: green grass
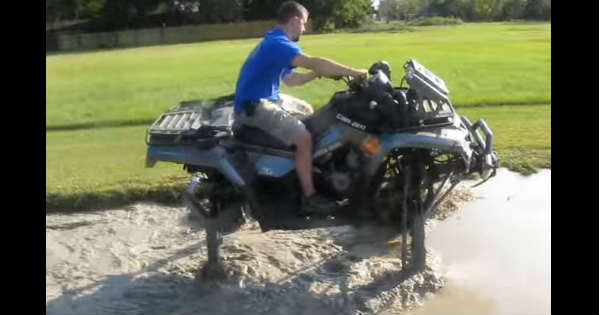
<point>104,167</point>
<point>482,63</point>
<point>488,63</point>
<point>99,159</point>
<point>522,134</point>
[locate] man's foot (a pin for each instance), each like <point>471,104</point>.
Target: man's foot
<point>318,204</point>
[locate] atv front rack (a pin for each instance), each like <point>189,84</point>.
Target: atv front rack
<point>429,85</point>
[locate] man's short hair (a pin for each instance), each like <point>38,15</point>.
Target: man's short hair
<point>290,9</point>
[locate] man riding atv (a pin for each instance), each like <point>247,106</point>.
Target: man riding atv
<point>257,101</point>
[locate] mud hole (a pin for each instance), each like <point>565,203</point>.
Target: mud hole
<point>146,259</point>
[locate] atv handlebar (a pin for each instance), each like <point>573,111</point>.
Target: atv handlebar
<point>352,82</point>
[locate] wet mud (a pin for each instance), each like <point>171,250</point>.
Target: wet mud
<point>147,259</point>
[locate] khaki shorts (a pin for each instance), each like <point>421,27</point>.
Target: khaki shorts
<point>274,120</point>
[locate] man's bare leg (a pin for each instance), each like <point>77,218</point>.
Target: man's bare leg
<point>304,163</point>
<point>311,202</point>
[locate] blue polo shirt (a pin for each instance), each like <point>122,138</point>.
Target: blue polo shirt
<point>264,69</point>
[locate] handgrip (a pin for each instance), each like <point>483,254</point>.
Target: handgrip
<point>489,135</point>
<point>474,132</point>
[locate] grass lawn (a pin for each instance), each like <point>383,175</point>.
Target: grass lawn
<point>482,63</point>
<point>521,134</point>
<point>105,166</point>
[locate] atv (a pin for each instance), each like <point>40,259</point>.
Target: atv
<point>388,156</point>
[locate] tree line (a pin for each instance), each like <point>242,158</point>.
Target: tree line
<point>467,10</point>
<point>110,15</point>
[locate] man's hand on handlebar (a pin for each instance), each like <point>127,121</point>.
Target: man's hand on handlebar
<point>333,77</point>
<point>359,75</point>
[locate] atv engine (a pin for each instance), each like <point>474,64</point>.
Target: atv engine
<point>343,171</point>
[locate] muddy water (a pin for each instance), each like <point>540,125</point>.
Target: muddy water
<point>490,255</point>
<point>495,252</point>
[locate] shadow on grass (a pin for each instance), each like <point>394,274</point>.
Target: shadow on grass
<point>169,195</point>
<point>379,28</point>
<point>101,124</point>
<point>525,161</point>
<point>509,103</point>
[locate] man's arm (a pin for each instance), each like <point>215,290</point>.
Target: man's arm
<point>299,78</point>
<point>326,67</point>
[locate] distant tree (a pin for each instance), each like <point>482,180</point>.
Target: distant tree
<point>90,9</point>
<point>457,8</point>
<point>115,15</point>
<point>229,10</point>
<point>389,9</point>
<point>260,9</point>
<point>324,14</point>
<point>352,13</point>
<point>547,10</point>
<point>122,14</point>
<point>329,14</point>
<point>72,9</point>
<point>512,9</point>
<point>54,10</point>
<point>141,8</point>
<point>449,8</point>
<point>537,9</point>
<point>398,9</point>
<point>207,11</point>
<point>482,9</point>
<point>496,12</point>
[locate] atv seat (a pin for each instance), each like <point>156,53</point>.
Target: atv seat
<point>256,136</point>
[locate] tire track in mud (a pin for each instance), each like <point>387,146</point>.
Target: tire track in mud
<point>147,259</point>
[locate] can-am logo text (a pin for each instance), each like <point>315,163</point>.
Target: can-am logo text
<point>350,122</point>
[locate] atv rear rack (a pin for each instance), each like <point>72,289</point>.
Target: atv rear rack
<point>190,122</point>
<point>176,123</point>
